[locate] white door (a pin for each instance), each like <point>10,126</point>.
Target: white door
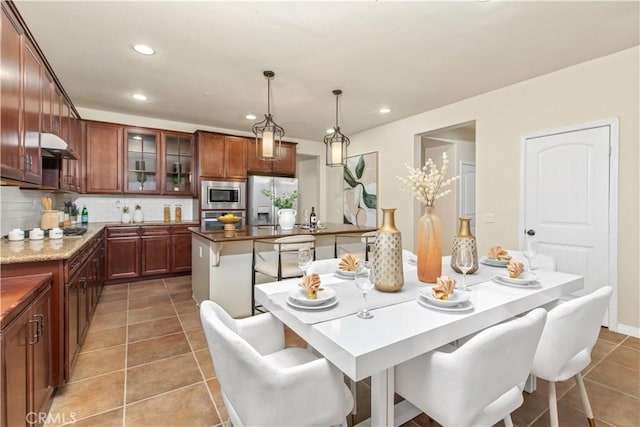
<point>467,207</point>
<point>566,196</point>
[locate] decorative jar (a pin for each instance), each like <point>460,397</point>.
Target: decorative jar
<point>429,251</point>
<point>287,218</point>
<point>387,255</point>
<point>464,239</point>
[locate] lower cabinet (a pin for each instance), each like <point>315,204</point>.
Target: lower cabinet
<point>123,252</point>
<point>180,248</point>
<point>156,250</point>
<point>26,354</point>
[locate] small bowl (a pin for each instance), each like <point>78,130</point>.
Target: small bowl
<point>36,234</point>
<point>55,233</point>
<point>16,234</point>
<point>234,220</point>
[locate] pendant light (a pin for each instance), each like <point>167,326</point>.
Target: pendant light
<point>336,142</point>
<point>268,133</point>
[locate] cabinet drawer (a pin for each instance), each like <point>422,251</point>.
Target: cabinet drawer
<point>123,232</point>
<point>159,230</point>
<point>182,229</point>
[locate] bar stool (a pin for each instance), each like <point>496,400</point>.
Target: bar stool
<point>367,239</point>
<point>285,265</point>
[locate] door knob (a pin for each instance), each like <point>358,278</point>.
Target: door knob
<point>531,232</point>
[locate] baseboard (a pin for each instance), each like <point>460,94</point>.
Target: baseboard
<point>628,330</point>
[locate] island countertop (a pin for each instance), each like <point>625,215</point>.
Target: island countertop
<point>270,232</point>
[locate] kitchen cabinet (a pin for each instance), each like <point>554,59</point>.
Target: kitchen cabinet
<point>142,148</point>
<point>31,112</point>
<point>286,166</point>
<point>123,253</point>
<point>178,163</point>
<point>156,250</point>
<point>26,349</point>
<point>221,156</point>
<point>70,168</point>
<point>180,248</point>
<point>103,158</point>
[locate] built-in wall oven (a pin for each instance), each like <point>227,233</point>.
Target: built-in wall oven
<point>223,195</point>
<point>209,220</point>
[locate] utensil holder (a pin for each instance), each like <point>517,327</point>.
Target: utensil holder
<point>49,219</point>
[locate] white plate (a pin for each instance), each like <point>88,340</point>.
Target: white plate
<point>456,298</point>
<point>327,304</point>
<point>494,262</point>
<point>466,306</point>
<point>345,274</point>
<point>522,280</point>
<point>528,285</point>
<point>300,296</point>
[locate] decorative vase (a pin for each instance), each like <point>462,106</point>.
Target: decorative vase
<point>138,215</point>
<point>287,218</point>
<point>387,255</point>
<point>429,246</point>
<point>126,218</point>
<point>464,239</point>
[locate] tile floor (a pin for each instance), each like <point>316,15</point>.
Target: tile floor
<point>145,362</point>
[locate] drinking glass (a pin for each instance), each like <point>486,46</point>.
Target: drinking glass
<point>364,282</point>
<point>304,260</point>
<point>464,261</point>
<point>530,251</point>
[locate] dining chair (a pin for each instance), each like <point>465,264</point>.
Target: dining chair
<point>541,261</point>
<point>359,245</point>
<point>479,382</point>
<point>565,347</point>
<point>282,265</point>
<point>262,382</point>
<point>324,266</point>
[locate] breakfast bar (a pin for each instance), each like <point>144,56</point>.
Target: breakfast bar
<point>221,261</point>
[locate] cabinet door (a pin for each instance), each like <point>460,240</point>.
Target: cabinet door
<point>32,104</point>
<point>16,339</point>
<point>103,158</point>
<point>142,161</point>
<point>123,258</point>
<point>210,155</point>
<point>42,388</point>
<point>70,171</point>
<point>83,303</point>
<point>11,164</point>
<point>286,166</point>
<point>46,88</point>
<point>178,163</point>
<point>235,157</point>
<point>180,251</point>
<point>72,342</point>
<point>254,164</point>
<point>156,250</point>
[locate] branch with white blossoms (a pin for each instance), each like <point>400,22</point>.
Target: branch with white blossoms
<point>425,184</point>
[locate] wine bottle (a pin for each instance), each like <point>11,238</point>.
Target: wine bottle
<point>313,220</point>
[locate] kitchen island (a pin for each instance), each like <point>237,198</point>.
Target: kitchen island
<point>221,261</point>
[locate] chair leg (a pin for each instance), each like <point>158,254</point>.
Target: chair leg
<point>585,399</point>
<point>354,393</point>
<point>553,405</point>
<point>253,282</point>
<point>507,421</point>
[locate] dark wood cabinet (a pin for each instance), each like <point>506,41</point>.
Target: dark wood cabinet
<point>123,253</point>
<point>15,341</point>
<point>180,248</point>
<point>31,112</point>
<point>286,166</point>
<point>235,157</point>
<point>156,250</point>
<point>103,158</point>
<point>178,163</point>
<point>142,161</point>
<point>221,156</point>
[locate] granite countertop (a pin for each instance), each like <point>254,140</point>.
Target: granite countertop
<point>268,232</point>
<point>60,249</point>
<point>18,291</point>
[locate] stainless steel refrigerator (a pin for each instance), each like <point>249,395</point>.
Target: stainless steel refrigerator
<point>260,210</point>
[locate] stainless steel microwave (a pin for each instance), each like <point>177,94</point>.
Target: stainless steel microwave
<point>228,195</point>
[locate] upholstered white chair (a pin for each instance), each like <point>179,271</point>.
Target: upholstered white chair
<point>323,266</point>
<point>541,261</point>
<point>283,264</point>
<point>565,347</point>
<point>265,384</point>
<point>360,245</point>
<point>478,383</point>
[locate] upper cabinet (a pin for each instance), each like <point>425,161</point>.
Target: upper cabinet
<point>142,155</point>
<point>103,158</point>
<point>178,163</point>
<point>286,166</point>
<point>221,156</point>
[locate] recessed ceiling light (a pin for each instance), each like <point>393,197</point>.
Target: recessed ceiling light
<point>143,49</point>
<point>139,97</point>
<point>385,110</point>
<point>250,117</point>
<point>330,130</point>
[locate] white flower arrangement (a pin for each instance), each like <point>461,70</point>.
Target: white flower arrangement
<point>425,184</point>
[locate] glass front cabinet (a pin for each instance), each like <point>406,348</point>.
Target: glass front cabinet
<point>178,164</point>
<point>142,155</point>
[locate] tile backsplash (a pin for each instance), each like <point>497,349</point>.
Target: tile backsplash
<point>23,208</point>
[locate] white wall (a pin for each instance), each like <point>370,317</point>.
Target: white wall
<point>599,89</point>
<point>308,187</point>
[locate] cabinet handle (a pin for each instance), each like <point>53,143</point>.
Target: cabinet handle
<point>36,332</point>
<point>41,323</point>
<point>83,285</point>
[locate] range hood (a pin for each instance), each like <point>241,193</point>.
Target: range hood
<point>54,146</point>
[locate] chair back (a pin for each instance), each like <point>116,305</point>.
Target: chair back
<point>569,335</point>
<point>323,266</point>
<point>245,378</point>
<point>293,243</point>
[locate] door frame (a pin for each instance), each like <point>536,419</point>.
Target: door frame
<point>461,164</point>
<point>613,125</point>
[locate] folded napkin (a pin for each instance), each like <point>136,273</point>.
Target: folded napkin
<point>348,263</point>
<point>444,288</point>
<point>515,268</point>
<point>497,252</point>
<point>311,283</point>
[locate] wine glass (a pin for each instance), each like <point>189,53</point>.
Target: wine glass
<point>530,250</point>
<point>464,261</point>
<point>304,260</point>
<point>364,281</point>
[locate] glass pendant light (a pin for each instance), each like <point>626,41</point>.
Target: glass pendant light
<point>336,143</point>
<point>268,133</point>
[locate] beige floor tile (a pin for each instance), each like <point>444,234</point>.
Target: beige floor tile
<point>99,362</point>
<point>626,356</point>
<point>108,321</point>
<point>151,379</point>
<point>186,307</point>
<point>214,387</point>
<point>189,406</point>
<point>602,349</point>
<point>608,405</point>
<point>110,289</point>
<point>176,287</point>
<point>90,397</point>
<point>291,339</point>
<point>177,280</point>
<point>107,419</point>
<point>114,296</point>
<point>632,342</point>
<point>112,307</point>
<point>146,284</point>
<point>608,335</point>
<point>156,349</point>
<point>151,313</point>
<point>534,404</point>
<point>146,302</point>
<point>197,339</point>
<point>190,321</point>
<point>205,363</point>
<point>154,329</point>
<point>182,296</point>
<point>144,292</point>
<point>568,417</point>
<point>96,340</point>
<point>619,377</point>
<point>423,420</point>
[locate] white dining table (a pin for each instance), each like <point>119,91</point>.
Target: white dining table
<point>372,348</point>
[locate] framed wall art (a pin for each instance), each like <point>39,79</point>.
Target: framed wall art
<point>360,190</point>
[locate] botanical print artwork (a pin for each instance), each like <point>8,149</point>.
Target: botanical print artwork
<point>360,191</point>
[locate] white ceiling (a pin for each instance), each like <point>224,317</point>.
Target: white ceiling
<point>409,56</point>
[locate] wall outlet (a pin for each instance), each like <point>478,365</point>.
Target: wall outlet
<point>489,217</point>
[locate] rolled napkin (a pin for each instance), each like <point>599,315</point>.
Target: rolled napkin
<point>348,263</point>
<point>497,252</point>
<point>515,268</point>
<point>311,283</point>
<point>444,288</point>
